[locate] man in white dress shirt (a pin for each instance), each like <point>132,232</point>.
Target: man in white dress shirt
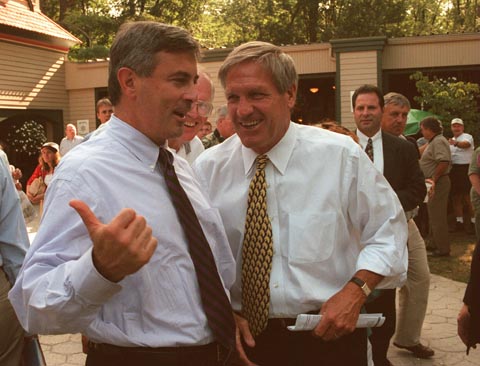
<point>189,145</point>
<point>70,140</point>
<point>116,267</point>
<point>338,229</point>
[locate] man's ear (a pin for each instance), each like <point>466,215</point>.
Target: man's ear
<point>292,96</point>
<point>127,78</point>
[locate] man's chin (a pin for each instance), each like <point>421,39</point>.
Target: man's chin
<point>188,134</point>
<point>176,133</point>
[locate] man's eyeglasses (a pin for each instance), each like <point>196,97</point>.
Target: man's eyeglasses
<point>203,108</point>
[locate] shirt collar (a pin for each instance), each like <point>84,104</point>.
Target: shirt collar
<point>279,155</point>
<point>364,138</point>
<point>139,145</point>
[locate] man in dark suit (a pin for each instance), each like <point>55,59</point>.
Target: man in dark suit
<point>397,159</point>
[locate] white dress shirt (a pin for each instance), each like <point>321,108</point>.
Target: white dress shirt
<point>377,147</point>
<point>59,289</point>
<point>195,148</point>
<point>332,214</point>
<point>66,144</point>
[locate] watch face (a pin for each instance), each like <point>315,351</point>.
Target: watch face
<point>360,283</point>
<point>366,289</point>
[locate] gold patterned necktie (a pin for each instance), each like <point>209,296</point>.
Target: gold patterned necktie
<point>369,149</point>
<point>257,252</point>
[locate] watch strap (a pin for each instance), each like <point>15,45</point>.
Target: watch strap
<point>361,283</point>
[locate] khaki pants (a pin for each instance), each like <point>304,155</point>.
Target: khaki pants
<point>413,296</point>
<point>437,214</point>
<point>475,198</point>
<point>11,334</point>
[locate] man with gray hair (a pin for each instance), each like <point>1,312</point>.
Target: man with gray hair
<point>313,225</point>
<point>413,296</point>
<point>223,131</point>
<point>189,145</point>
<point>70,140</point>
<point>130,251</point>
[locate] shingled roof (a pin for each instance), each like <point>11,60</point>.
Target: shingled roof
<point>19,16</point>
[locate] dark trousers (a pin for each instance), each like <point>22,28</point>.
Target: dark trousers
<point>380,338</point>
<point>106,355</point>
<point>277,346</point>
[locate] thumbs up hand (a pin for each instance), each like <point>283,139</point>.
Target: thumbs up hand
<point>120,247</point>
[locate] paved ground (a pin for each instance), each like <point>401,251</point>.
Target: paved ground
<point>439,332</point>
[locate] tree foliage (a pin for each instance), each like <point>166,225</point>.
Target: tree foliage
<point>227,23</point>
<point>449,98</point>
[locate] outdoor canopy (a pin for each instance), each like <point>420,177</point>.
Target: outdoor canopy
<point>413,120</point>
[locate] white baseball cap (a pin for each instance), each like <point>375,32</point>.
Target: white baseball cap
<point>457,121</point>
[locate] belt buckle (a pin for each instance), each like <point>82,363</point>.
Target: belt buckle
<point>92,346</point>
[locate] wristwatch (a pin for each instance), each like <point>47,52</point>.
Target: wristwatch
<point>361,283</point>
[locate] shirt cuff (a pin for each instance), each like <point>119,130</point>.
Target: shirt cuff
<point>89,284</point>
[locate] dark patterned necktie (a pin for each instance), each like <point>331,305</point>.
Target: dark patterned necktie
<point>369,149</point>
<point>257,252</point>
<point>214,299</point>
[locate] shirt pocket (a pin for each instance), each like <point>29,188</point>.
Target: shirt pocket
<point>311,237</point>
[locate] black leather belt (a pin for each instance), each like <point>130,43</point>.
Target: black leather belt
<point>209,352</point>
<point>281,322</point>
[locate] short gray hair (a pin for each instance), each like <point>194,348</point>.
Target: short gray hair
<point>202,72</point>
<point>222,111</point>
<point>271,57</point>
<point>397,99</point>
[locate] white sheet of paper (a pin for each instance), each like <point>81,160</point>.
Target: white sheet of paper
<point>310,321</point>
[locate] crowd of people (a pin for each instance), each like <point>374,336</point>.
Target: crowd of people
<point>167,243</point>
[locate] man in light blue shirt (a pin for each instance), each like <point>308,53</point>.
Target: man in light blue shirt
<point>13,246</point>
<point>121,273</point>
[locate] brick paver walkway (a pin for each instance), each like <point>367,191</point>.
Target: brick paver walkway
<point>439,332</point>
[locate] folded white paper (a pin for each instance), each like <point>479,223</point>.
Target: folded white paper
<point>310,321</point>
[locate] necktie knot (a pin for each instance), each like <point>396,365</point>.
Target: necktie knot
<point>165,157</point>
<point>262,160</point>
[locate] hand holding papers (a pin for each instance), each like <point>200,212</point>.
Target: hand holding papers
<point>310,321</point>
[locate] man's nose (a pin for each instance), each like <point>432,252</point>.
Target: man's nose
<point>193,112</point>
<point>244,107</point>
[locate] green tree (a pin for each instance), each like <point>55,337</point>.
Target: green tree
<point>449,98</point>
<point>227,23</point>
<point>354,18</point>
